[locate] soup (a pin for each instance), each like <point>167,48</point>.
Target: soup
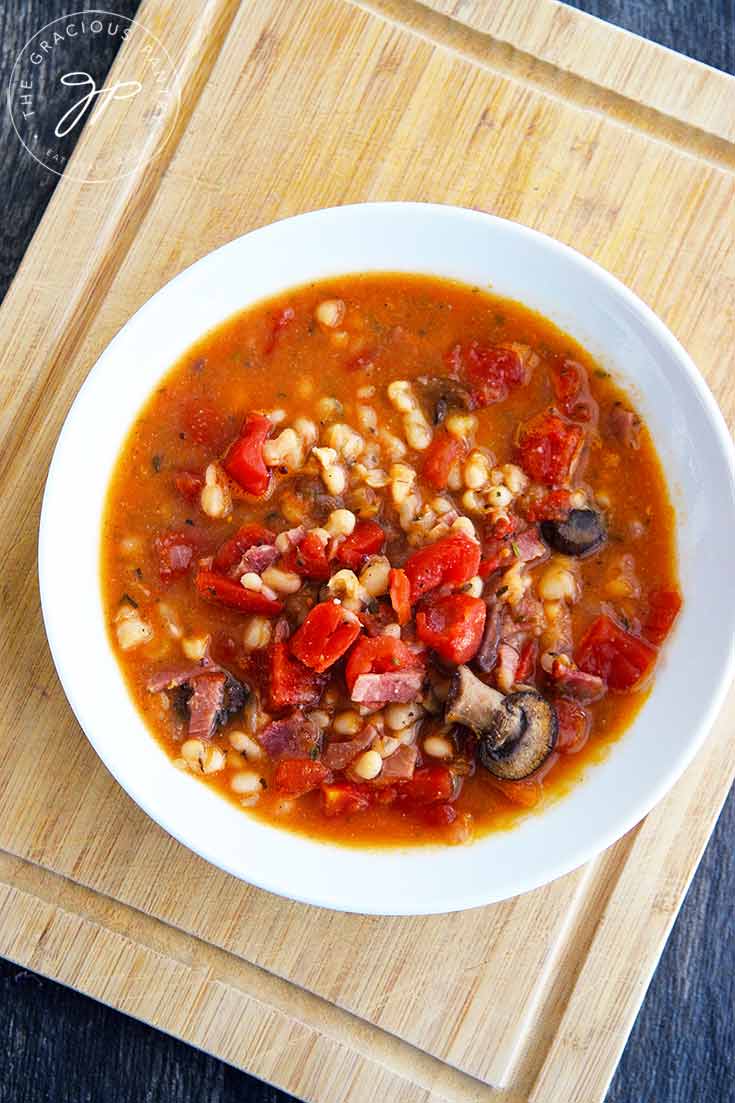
<point>388,560</point>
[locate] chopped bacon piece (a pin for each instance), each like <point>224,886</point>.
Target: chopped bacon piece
<point>308,558</point>
<point>400,765</point>
<point>339,755</point>
<point>278,324</point>
<point>376,690</point>
<point>205,703</point>
<point>624,426</point>
<point>574,726</point>
<point>174,676</point>
<point>572,390</point>
<point>291,737</point>
<point>175,552</point>
<point>487,653</point>
<point>549,447</point>
<point>528,546</point>
<point>577,683</point>
<point>506,667</point>
<point>380,655</point>
<point>229,554</point>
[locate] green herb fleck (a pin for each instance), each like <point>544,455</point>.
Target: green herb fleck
<point>138,572</point>
<point>126,599</point>
<point>602,374</point>
<point>501,591</point>
<point>314,752</point>
<point>156,461</point>
<point>516,549</point>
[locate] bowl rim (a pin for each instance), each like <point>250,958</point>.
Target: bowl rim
<point>276,884</point>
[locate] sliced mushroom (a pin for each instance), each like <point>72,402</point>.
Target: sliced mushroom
<point>442,394</point>
<point>520,737</point>
<point>581,533</point>
<point>470,701</point>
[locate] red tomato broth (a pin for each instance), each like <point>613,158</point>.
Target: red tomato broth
<point>402,327</point>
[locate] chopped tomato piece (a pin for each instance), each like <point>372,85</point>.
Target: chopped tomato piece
<point>453,626</point>
<point>621,659</point>
<point>244,460</point>
<point>226,591</point>
<point>379,655</point>
<point>175,552</point>
<point>324,636</point>
<point>309,559</point>
<point>342,798</point>
<point>572,390</point>
<point>189,485</point>
<point>554,506</point>
<point>430,784</point>
<point>229,554</point>
<point>574,725</point>
<point>204,425</point>
<point>490,370</point>
<point>297,776</point>
<point>451,561</point>
<point>367,538</point>
<point>663,609</point>
<point>526,793</point>
<point>400,594</point>
<point>548,447</point>
<point>441,455</point>
<point>289,681</point>
<point>526,668</point>
<point>440,815</point>
<point>279,323</point>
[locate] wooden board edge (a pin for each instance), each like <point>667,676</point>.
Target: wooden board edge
<point>213,1000</point>
<point>120,206</point>
<point>636,922</point>
<point>615,59</point>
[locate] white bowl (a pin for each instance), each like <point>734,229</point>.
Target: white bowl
<point>621,332</point>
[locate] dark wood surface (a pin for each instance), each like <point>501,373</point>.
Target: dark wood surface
<point>59,1047</point>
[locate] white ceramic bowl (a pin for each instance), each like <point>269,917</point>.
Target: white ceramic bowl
<point>621,332</point>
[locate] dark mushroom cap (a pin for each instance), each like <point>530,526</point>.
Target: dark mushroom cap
<point>581,533</point>
<point>470,702</point>
<point>521,736</point>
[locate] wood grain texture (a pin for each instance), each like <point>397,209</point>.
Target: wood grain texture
<point>428,116</point>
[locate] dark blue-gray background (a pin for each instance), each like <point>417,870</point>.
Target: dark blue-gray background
<point>60,1047</point>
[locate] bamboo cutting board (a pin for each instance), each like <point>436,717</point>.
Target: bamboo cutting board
<point>531,111</point>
